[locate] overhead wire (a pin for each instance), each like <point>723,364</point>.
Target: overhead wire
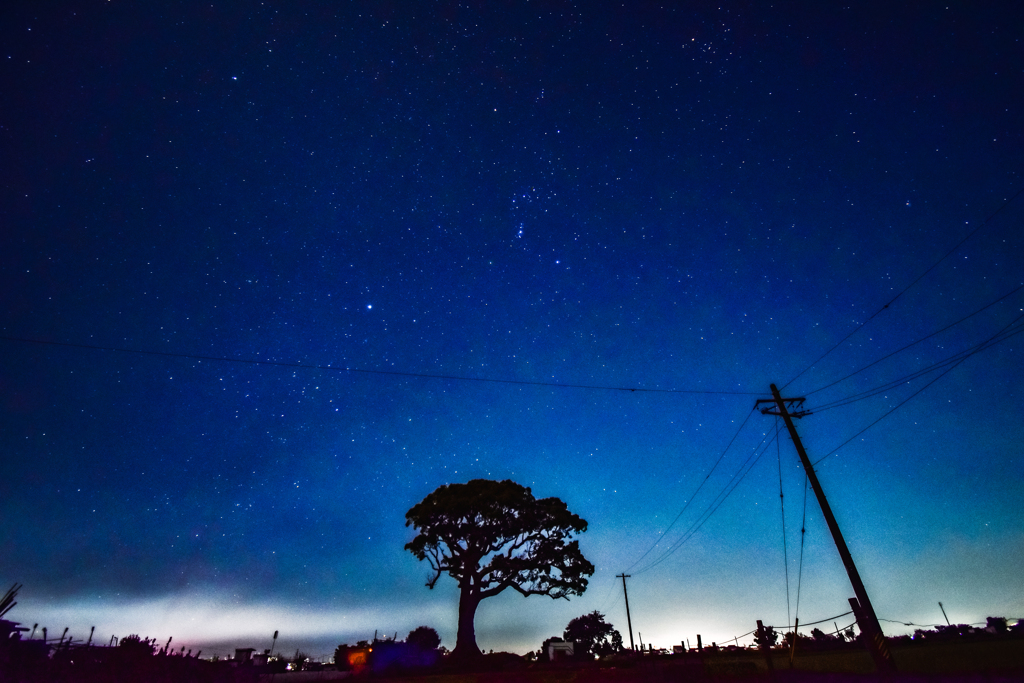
<point>815,623</point>
<point>714,505</point>
<point>926,337</point>
<point>748,633</point>
<point>608,596</point>
<point>976,623</point>
<point>910,623</point>
<point>1002,335</point>
<point>803,536</point>
<point>904,401</point>
<point>422,375</point>
<point>904,290</point>
<point>782,506</point>
<point>694,494</point>
<point>708,511</point>
<point>844,629</point>
<point>953,362</point>
<point>854,623</point>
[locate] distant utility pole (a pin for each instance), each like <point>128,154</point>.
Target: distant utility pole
<point>866,614</point>
<point>629,622</point>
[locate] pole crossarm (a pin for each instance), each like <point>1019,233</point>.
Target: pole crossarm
<point>863,608</point>
<point>790,403</point>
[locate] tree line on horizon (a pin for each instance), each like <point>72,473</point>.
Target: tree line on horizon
<point>489,536</point>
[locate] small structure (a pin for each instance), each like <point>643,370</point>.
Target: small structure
<point>559,651</point>
<point>243,655</point>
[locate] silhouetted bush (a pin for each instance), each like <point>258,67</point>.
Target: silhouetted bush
<point>424,638</point>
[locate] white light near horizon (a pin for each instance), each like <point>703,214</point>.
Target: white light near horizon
<point>197,619</point>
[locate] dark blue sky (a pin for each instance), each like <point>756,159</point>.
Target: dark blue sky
<point>668,198</point>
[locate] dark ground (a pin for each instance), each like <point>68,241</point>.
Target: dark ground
<point>995,660</point>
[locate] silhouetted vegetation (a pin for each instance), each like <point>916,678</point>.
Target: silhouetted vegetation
<point>593,635</point>
<point>134,646</point>
<point>997,646</point>
<point>522,542</point>
<point>424,638</point>
<point>417,654</point>
<point>769,637</point>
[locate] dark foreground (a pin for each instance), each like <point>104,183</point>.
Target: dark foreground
<point>993,661</point>
<point>987,661</point>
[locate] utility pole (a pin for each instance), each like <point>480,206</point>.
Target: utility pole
<point>629,622</point>
<point>766,647</point>
<point>866,614</point>
<point>944,613</point>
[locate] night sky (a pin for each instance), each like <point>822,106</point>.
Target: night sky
<point>272,272</point>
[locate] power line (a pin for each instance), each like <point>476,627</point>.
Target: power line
<point>910,623</point>
<point>901,403</point>
<point>904,290</point>
<point>782,507</point>
<point>813,623</point>
<point>820,621</point>
<point>694,495</point>
<point>421,375</point>
<point>1005,333</point>
<point>803,536</point>
<point>906,379</point>
<point>612,592</point>
<point>715,504</point>
<point>708,511</point>
<point>926,337</point>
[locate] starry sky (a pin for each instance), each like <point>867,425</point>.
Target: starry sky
<point>272,272</point>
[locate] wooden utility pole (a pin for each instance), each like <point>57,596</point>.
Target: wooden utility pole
<point>766,647</point>
<point>866,618</point>
<point>629,621</point>
<point>792,647</point>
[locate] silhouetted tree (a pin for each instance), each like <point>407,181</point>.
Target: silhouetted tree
<point>341,657</point>
<point>136,645</point>
<point>822,638</point>
<point>593,634</point>
<point>996,624</point>
<point>424,638</point>
<point>491,536</point>
<point>802,641</point>
<point>771,637</point>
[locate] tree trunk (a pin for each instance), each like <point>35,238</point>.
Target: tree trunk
<point>465,644</point>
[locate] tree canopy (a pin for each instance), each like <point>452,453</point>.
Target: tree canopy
<point>424,638</point>
<point>593,634</point>
<point>490,536</point>
<point>768,638</point>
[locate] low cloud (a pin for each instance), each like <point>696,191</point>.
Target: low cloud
<point>196,620</point>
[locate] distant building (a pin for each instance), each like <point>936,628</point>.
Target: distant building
<point>243,655</point>
<point>559,651</point>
